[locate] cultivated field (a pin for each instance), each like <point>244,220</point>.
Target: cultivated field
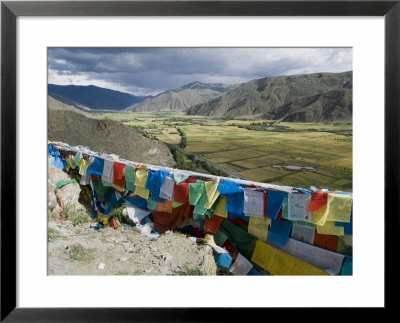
<point>257,155</point>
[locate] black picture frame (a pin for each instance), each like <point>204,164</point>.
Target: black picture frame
<point>10,10</point>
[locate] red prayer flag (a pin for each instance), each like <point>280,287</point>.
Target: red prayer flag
<point>212,225</point>
<point>181,193</point>
<point>326,241</point>
<point>118,173</point>
<point>318,200</point>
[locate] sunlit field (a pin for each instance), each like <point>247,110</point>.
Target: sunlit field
<point>259,155</point>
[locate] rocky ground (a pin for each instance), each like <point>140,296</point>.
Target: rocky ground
<point>76,248</point>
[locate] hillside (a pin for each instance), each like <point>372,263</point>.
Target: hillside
<point>106,136</point>
<point>182,98</point>
<point>335,105</point>
<point>92,97</point>
<point>76,248</point>
<point>267,96</point>
<point>56,105</point>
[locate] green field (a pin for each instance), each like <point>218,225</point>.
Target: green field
<point>252,154</point>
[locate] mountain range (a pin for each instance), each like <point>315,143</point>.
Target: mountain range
<point>314,97</point>
<point>182,98</point>
<point>317,97</point>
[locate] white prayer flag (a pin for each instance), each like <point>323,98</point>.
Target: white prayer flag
<point>325,259</point>
<point>297,207</point>
<point>108,166</point>
<point>85,180</point>
<point>253,203</point>
<point>303,233</point>
<point>241,266</point>
<point>167,189</point>
<point>135,214</point>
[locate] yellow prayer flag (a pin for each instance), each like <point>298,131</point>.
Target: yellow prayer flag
<point>338,209</point>
<point>118,188</point>
<point>83,166</point>
<point>141,177</point>
<point>211,201</point>
<point>142,192</point>
<point>208,238</point>
<point>220,210</point>
<point>258,227</point>
<point>70,162</point>
<point>339,206</point>
<point>319,217</point>
<point>103,218</point>
<point>211,187</point>
<point>330,228</point>
<point>277,262</point>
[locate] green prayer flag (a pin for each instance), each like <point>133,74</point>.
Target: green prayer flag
<point>77,158</point>
<point>63,182</point>
<point>98,187</point>
<point>199,208</point>
<point>130,178</point>
<point>220,237</point>
<point>285,209</point>
<point>106,184</point>
<point>151,204</point>
<point>210,212</point>
<point>240,238</point>
<point>195,192</point>
<point>198,217</point>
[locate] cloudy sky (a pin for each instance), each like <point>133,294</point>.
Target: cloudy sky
<point>149,71</point>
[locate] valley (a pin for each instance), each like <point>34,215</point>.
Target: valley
<point>282,153</point>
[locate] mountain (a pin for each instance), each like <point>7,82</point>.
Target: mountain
<point>182,98</point>
<point>106,136</point>
<point>335,105</point>
<point>53,104</point>
<point>265,98</point>
<point>92,97</point>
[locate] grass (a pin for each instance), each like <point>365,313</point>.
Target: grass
<point>190,270</point>
<point>52,234</point>
<point>50,213</point>
<point>251,153</point>
<point>76,217</point>
<point>81,254</point>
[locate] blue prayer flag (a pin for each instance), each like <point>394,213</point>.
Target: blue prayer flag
<point>347,267</point>
<point>279,232</point>
<point>138,201</point>
<point>235,203</point>
<point>253,272</point>
<point>96,168</point>
<point>227,187</point>
<point>274,203</point>
<point>223,260</point>
<point>155,179</point>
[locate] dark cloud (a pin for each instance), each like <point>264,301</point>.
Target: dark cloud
<point>152,70</point>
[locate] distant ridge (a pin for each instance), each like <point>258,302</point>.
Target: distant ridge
<point>305,98</point>
<point>182,98</point>
<point>54,104</point>
<point>93,97</point>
